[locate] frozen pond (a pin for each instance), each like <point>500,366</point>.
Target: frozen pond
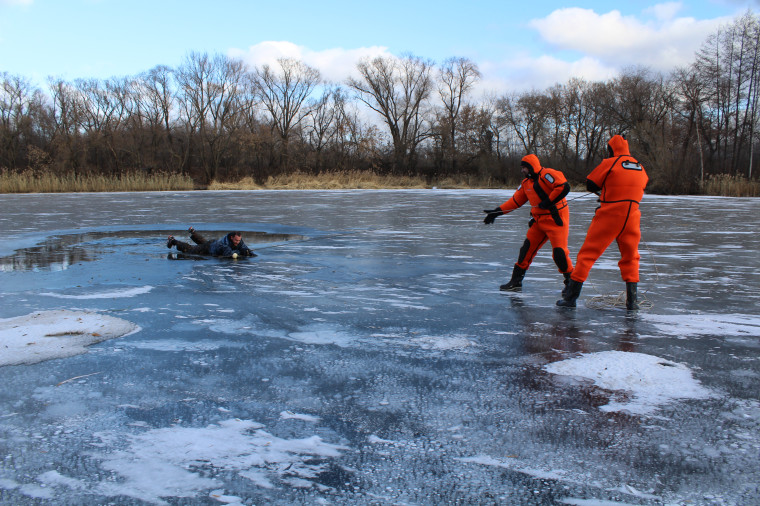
<point>366,355</point>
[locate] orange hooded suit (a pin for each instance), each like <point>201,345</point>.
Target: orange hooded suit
<point>620,181</point>
<point>552,222</point>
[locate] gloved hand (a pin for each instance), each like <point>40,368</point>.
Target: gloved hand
<point>545,204</point>
<point>492,214</point>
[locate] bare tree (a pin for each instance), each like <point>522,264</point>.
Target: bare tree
<point>526,114</point>
<point>456,77</point>
<point>397,89</point>
<point>66,143</point>
<point>357,142</point>
<point>18,102</point>
<point>283,92</point>
<point>321,128</point>
<point>155,101</point>
<point>211,89</point>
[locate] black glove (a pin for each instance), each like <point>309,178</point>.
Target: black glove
<point>545,204</point>
<point>492,214</point>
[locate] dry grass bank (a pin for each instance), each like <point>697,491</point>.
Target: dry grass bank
<point>343,180</point>
<point>44,182</point>
<point>731,186</point>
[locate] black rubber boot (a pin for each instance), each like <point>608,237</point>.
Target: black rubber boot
<point>567,280</point>
<point>514,284</point>
<point>631,294</point>
<point>572,293</point>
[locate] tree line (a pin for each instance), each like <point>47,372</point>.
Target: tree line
<point>217,119</point>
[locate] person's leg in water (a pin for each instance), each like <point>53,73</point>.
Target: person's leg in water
<point>196,237</point>
<point>198,249</point>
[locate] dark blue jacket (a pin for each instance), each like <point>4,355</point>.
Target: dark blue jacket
<point>223,248</point>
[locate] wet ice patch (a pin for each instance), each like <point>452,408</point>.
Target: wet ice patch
<point>651,381</point>
<point>110,294</point>
<point>178,462</point>
<point>47,335</point>
<point>689,325</point>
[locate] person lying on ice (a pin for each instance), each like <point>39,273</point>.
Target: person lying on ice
<point>231,245</point>
<point>619,181</point>
<point>545,189</point>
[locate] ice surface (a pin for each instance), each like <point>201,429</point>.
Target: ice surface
<point>366,355</point>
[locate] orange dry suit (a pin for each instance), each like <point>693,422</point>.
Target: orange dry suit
<point>620,181</point>
<point>545,189</point>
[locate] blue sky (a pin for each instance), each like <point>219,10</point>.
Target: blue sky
<point>517,45</point>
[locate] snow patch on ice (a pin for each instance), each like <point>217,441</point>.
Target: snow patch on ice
<point>220,496</point>
<point>322,336</point>
<point>111,294</point>
<point>689,325</point>
<point>651,381</point>
<point>54,478</point>
<point>181,345</point>
<point>289,415</point>
<point>374,439</point>
<point>442,343</point>
<point>514,465</point>
<point>47,335</point>
<point>572,501</point>
<point>174,461</point>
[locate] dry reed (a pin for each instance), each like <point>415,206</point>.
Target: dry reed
<point>731,186</point>
<point>44,182</point>
<point>31,181</point>
<point>350,179</point>
<point>331,180</point>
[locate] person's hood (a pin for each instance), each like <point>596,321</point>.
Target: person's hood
<point>618,146</point>
<point>532,163</point>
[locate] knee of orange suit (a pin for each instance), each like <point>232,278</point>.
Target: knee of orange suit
<point>562,259</point>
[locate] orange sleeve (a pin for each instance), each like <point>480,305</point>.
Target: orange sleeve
<point>518,199</point>
<point>598,175</point>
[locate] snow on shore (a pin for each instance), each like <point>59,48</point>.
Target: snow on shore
<point>46,335</point>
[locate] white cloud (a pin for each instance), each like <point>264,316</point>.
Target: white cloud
<point>16,2</point>
<point>577,43</point>
<point>335,64</point>
<point>666,11</point>
<point>662,43</point>
<point>523,72</point>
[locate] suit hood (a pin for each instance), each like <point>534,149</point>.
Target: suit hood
<point>618,146</point>
<point>532,163</point>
